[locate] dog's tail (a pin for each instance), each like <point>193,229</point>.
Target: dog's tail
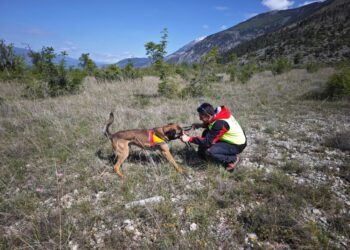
<point>106,127</point>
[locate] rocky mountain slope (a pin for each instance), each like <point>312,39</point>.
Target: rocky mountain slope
<point>323,36</point>
<point>264,25</point>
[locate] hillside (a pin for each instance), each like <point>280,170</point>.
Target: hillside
<point>291,191</point>
<point>323,36</point>
<point>259,25</point>
<point>137,62</point>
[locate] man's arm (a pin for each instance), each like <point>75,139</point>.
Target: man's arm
<point>219,128</point>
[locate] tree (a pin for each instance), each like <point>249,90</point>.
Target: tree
<point>10,63</point>
<point>49,78</point>
<point>129,72</point>
<point>42,62</point>
<point>232,68</point>
<point>156,52</point>
<point>87,64</point>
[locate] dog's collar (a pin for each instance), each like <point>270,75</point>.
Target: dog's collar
<point>155,140</point>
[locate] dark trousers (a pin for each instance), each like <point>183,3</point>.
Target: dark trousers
<point>222,152</point>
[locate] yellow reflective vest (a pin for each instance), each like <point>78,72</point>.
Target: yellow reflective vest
<point>234,135</point>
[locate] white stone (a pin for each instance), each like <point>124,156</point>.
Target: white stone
<point>193,227</point>
<point>130,228</point>
<point>152,200</point>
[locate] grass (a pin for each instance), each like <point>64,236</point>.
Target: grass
<point>58,188</point>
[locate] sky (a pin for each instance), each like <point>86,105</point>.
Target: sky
<point>113,30</point>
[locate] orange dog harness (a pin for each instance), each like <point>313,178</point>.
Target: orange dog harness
<point>154,139</point>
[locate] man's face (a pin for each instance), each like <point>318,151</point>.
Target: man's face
<point>205,118</point>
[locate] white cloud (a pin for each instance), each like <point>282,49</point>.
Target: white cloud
<point>205,26</point>
<point>110,58</point>
<point>308,2</point>
<point>223,27</point>
<point>200,38</point>
<point>221,8</point>
<point>277,4</point>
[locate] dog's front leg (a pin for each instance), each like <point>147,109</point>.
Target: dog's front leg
<point>166,153</point>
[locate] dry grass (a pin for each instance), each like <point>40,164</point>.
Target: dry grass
<point>58,189</point>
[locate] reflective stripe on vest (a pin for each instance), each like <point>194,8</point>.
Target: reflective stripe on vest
<point>234,135</point>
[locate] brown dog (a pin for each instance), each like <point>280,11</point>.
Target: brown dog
<point>144,138</point>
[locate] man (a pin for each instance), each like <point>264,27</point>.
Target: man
<point>223,138</point>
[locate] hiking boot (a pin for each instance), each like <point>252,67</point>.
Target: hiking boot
<point>232,165</point>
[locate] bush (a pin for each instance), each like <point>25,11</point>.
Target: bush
<point>281,65</point>
<point>49,79</point>
<point>110,73</point>
<point>169,88</point>
<point>338,84</point>
<point>341,141</point>
<point>312,67</point>
<point>11,65</point>
<point>129,72</point>
<point>247,72</point>
<point>233,73</point>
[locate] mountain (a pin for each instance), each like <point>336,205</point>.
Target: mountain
<point>257,26</point>
<point>70,62</point>
<point>137,62</point>
<point>173,58</point>
<point>323,36</point>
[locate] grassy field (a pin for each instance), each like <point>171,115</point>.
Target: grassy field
<point>58,189</point>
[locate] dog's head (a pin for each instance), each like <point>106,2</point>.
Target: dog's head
<point>173,131</point>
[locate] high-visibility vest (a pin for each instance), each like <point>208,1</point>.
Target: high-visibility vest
<point>234,135</point>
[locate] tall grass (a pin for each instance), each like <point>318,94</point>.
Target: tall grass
<point>58,189</point>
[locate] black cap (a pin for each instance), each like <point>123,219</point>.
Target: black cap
<point>206,108</point>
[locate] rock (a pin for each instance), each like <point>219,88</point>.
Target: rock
<point>316,211</point>
<point>152,200</point>
<point>130,228</point>
<point>73,245</point>
<point>193,227</point>
<point>251,238</point>
<point>128,222</point>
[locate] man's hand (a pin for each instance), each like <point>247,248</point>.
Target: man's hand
<point>185,138</point>
<point>197,125</point>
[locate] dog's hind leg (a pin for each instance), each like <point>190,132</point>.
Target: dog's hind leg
<point>122,152</point>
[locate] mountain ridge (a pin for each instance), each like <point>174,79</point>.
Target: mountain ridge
<point>262,24</point>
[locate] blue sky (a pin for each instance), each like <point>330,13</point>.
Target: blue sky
<point>114,30</point>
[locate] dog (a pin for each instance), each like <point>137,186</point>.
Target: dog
<point>156,138</point>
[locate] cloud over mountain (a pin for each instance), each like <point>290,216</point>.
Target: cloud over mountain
<point>277,4</point>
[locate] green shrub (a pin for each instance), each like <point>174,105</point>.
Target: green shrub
<point>49,79</point>
<point>196,89</point>
<point>246,72</point>
<point>169,88</point>
<point>340,140</point>
<point>312,67</point>
<point>281,65</point>
<point>129,72</point>
<point>233,73</point>
<point>110,73</point>
<point>11,65</point>
<point>338,84</point>
<point>298,58</point>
